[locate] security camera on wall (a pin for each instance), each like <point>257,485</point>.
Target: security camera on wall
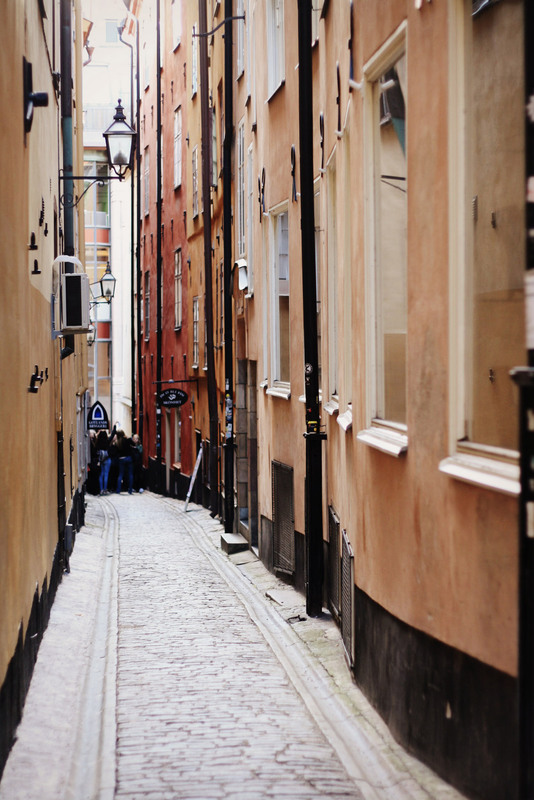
<point>70,296</point>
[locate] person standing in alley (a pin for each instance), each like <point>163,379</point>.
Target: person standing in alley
<point>137,456</point>
<point>123,449</point>
<point>103,442</point>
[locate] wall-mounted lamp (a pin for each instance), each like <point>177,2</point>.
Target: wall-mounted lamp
<point>106,284</point>
<point>120,146</point>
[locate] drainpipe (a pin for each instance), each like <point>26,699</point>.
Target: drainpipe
<point>206,193</point>
<point>140,403</point>
<point>66,132</point>
<point>132,240</point>
<point>228,324</point>
<point>313,435</point>
<point>158,249</point>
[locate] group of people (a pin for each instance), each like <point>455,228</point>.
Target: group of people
<point>118,459</point>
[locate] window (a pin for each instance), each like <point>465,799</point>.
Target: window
<point>280,357</point>
<point>194,62</point>
<point>332,279</point>
<point>178,435</point>
<point>240,189</point>
<point>275,44</point>
<point>195,333</point>
<point>162,169</point>
<point>214,173</point>
<point>205,335</point>
<point>147,181</point>
<point>194,158</point>
<point>318,260</point>
<point>112,33</point>
<point>386,233</point>
<point>176,14</point>
<point>487,239</point>
<point>221,309</point>
<point>177,289</point>
<point>240,38</point>
<point>147,305</point>
<point>146,64</point>
<point>250,217</point>
<point>178,147</point>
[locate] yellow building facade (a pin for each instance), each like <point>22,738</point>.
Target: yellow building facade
<point>44,375</point>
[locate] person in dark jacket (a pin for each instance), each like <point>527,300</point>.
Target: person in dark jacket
<point>103,442</point>
<point>123,452</point>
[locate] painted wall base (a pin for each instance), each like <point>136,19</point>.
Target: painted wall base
<point>451,711</point>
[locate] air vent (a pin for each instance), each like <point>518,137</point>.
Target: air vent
<point>347,598</point>
<point>333,561</point>
<point>283,518</point>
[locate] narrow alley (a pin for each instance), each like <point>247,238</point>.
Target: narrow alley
<point>172,670</point>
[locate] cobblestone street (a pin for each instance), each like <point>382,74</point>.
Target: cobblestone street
<point>196,687</point>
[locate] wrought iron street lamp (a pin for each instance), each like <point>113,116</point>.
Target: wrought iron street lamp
<point>120,147</point>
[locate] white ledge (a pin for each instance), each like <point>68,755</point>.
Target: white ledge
<point>264,384</point>
<point>284,392</point>
<point>485,472</point>
<point>345,420</point>
<point>389,441</point>
<point>331,407</point>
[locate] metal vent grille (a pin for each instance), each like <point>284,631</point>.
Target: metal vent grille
<point>347,598</point>
<point>283,519</point>
<point>333,561</point>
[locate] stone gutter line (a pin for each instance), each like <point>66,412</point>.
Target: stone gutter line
<point>93,771</point>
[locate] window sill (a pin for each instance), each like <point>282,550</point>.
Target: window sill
<point>331,406</point>
<point>276,90</point>
<point>345,420</point>
<point>264,384</point>
<point>281,391</point>
<point>387,440</point>
<point>485,472</point>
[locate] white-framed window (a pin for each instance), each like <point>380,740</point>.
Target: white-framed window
<point>205,336</point>
<point>178,289</point>
<point>147,305</point>
<point>178,435</point>
<point>386,233</point>
<point>275,45</point>
<point>194,184</point>
<point>176,14</point>
<point>147,181</point>
<point>146,64</point>
<point>214,172</point>
<point>221,307</point>
<point>178,147</point>
<point>194,62</point>
<point>316,16</point>
<point>279,273</point>
<point>240,50</point>
<point>318,266</point>
<point>251,200</point>
<point>195,333</point>
<point>486,236</point>
<point>240,188</point>
<point>332,279</point>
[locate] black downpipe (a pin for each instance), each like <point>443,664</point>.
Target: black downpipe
<point>206,194</point>
<point>227,227</point>
<point>159,264</point>
<point>133,123</point>
<point>314,509</point>
<point>140,401</point>
<point>66,131</point>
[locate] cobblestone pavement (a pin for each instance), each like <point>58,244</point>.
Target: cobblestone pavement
<point>171,670</point>
<point>204,707</point>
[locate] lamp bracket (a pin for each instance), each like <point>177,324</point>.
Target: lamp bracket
<point>67,199</point>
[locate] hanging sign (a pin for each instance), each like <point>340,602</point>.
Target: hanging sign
<point>97,418</point>
<point>173,398</point>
